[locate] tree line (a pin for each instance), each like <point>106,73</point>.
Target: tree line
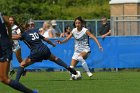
<point>55,9</point>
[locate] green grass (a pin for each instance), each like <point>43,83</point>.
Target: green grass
<point>58,82</point>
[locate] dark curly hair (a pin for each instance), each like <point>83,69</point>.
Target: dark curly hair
<point>78,18</point>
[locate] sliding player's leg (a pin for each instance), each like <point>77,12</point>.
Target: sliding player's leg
<point>61,63</point>
<point>4,68</point>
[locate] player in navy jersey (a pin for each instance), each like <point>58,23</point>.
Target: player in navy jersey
<point>39,51</point>
<point>6,57</point>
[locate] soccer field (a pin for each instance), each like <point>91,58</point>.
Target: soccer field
<point>58,82</point>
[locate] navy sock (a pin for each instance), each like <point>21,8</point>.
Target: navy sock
<point>18,86</point>
<point>19,73</point>
<point>72,70</point>
<point>61,63</point>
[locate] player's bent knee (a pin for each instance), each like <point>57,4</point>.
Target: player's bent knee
<point>25,63</point>
<point>80,58</point>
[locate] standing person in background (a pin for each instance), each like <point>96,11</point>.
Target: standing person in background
<point>54,24</point>
<point>82,49</point>
<point>105,28</point>
<point>105,31</point>
<point>66,32</point>
<point>6,57</point>
<point>48,32</point>
<point>31,23</point>
<point>16,46</point>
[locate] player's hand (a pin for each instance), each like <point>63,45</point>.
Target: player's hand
<point>59,42</point>
<point>101,48</point>
<point>103,36</point>
<point>54,45</point>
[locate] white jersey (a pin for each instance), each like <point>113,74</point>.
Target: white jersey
<point>81,40</point>
<point>46,33</point>
<point>15,31</point>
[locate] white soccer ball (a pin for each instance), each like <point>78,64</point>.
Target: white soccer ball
<point>77,77</point>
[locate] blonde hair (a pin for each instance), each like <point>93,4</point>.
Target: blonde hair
<point>46,25</point>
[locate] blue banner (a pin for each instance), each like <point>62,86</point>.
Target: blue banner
<point>119,52</point>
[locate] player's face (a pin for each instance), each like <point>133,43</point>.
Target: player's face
<point>68,29</point>
<point>78,24</point>
<point>11,20</point>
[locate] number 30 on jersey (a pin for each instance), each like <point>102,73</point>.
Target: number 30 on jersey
<point>34,36</point>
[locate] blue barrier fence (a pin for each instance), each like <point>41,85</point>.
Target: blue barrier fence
<point>119,52</point>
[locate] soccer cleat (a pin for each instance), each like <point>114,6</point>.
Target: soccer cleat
<point>35,91</point>
<point>89,74</point>
<point>12,72</point>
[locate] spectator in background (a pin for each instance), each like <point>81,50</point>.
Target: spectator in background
<point>104,32</point>
<point>31,23</point>
<point>47,31</point>
<point>105,28</point>
<point>54,24</point>
<point>66,32</point>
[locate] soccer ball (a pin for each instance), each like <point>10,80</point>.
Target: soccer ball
<point>77,77</point>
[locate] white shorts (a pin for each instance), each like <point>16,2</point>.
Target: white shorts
<point>76,54</point>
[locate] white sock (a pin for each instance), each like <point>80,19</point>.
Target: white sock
<point>71,66</point>
<point>84,64</point>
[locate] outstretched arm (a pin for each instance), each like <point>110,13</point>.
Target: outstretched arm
<point>65,40</point>
<point>95,39</point>
<point>49,42</point>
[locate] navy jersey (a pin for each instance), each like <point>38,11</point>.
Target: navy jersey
<point>4,38</point>
<point>5,42</point>
<point>32,39</point>
<point>39,51</point>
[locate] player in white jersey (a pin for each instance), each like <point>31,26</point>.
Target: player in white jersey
<point>82,49</point>
<point>16,46</point>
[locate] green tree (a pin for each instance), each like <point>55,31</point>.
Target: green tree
<point>55,9</point>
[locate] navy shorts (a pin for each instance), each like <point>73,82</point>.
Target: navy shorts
<point>5,54</point>
<point>42,53</point>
